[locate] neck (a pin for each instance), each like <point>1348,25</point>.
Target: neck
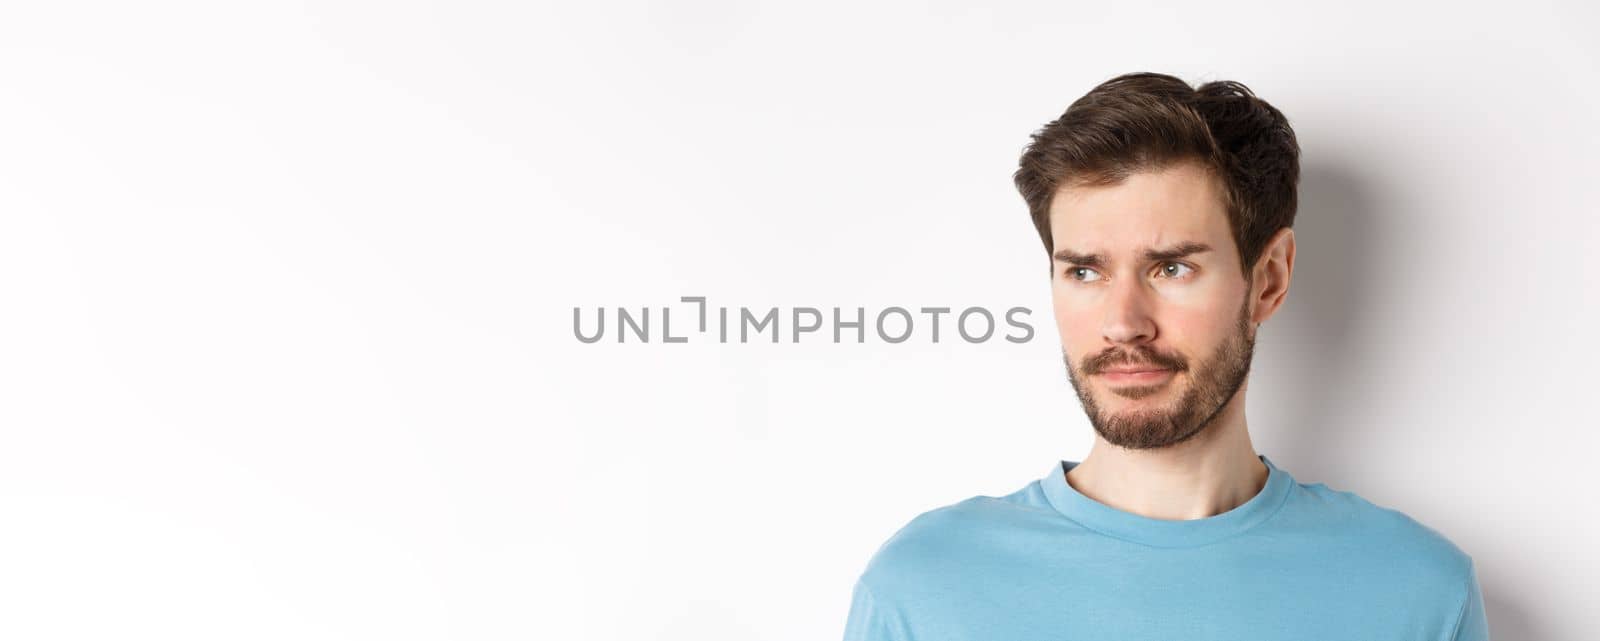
<point>1211,473</point>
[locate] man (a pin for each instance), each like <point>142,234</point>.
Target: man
<point>1165,211</point>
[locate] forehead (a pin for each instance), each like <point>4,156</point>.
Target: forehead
<point>1179,203</point>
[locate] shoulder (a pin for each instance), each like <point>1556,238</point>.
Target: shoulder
<point>1379,534</point>
<point>941,541</point>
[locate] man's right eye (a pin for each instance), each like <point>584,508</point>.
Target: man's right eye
<point>1073,273</point>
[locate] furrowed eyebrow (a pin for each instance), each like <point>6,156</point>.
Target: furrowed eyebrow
<point>1099,260</point>
<point>1181,250</point>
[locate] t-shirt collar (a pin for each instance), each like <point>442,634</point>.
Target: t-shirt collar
<point>1113,522</point>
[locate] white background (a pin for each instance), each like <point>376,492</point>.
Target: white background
<point>286,298</point>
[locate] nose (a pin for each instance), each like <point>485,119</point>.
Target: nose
<point>1127,317</point>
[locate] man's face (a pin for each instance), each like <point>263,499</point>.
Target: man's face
<point>1183,317</point>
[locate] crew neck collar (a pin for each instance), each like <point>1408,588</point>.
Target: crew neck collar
<point>1113,522</point>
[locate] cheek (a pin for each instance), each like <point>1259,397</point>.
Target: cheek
<point>1197,330</point>
<point>1186,330</point>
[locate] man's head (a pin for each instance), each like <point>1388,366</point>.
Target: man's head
<point>1165,212</point>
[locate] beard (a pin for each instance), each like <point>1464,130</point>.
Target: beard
<point>1210,386</point>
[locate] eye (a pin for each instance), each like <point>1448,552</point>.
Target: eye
<point>1165,269</point>
<point>1073,271</point>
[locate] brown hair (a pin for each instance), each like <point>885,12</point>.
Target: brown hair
<point>1149,121</point>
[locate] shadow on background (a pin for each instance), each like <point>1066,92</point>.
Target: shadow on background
<point>1346,238</point>
<point>1338,251</point>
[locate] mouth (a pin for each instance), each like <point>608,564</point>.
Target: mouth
<point>1136,377</point>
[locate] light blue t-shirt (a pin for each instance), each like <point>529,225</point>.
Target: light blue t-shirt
<point>1296,562</point>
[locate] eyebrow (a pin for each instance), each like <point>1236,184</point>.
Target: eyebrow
<point>1099,260</point>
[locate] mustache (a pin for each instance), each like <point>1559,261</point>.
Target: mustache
<point>1139,356</point>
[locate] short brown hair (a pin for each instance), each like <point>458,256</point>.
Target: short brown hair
<point>1148,121</point>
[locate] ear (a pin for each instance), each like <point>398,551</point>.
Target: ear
<point>1273,270</point>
